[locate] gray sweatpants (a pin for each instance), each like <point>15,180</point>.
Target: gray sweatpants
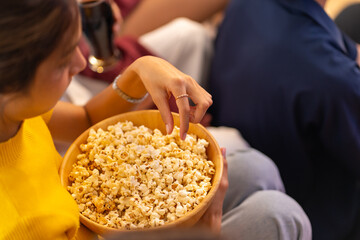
<point>255,206</point>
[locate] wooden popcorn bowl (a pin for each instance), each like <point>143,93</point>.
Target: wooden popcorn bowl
<point>151,119</point>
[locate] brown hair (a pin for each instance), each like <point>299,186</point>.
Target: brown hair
<point>30,30</point>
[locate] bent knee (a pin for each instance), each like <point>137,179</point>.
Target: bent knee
<point>268,215</point>
<point>254,171</point>
<point>272,204</point>
<point>280,213</point>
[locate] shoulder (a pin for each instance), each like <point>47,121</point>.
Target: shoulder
<point>335,70</point>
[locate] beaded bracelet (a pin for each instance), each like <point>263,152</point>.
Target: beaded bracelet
<point>124,95</point>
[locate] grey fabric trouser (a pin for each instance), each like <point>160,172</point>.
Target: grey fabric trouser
<point>255,206</point>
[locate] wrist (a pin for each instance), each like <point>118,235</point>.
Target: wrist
<point>127,94</point>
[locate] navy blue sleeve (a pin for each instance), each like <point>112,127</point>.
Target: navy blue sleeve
<point>333,114</point>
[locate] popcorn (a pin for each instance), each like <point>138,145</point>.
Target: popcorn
<point>133,177</point>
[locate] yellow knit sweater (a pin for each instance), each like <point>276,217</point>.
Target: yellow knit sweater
<point>33,204</point>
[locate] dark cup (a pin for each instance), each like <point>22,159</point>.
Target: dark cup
<point>97,23</point>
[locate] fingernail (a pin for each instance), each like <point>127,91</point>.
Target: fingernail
<point>168,130</point>
<point>183,136</point>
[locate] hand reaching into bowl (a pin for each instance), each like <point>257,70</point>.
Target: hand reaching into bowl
<point>162,80</point>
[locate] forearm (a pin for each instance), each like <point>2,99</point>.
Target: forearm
<point>151,14</point>
<point>108,103</point>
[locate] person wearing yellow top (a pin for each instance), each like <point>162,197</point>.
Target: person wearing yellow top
<point>30,189</point>
<point>39,54</point>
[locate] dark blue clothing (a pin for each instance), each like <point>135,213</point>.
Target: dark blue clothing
<point>287,78</point>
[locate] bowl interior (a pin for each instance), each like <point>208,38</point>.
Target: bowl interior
<point>151,119</point>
